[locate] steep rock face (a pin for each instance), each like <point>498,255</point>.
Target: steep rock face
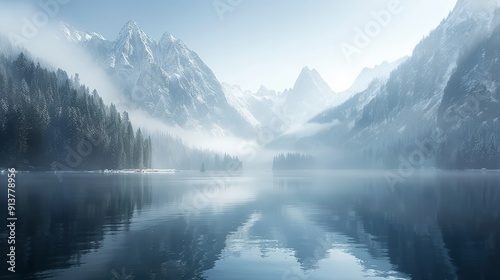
<point>475,8</point>
<point>164,78</point>
<point>308,96</point>
<point>470,109</point>
<point>256,108</point>
<point>382,124</point>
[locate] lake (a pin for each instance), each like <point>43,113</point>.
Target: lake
<point>290,225</point>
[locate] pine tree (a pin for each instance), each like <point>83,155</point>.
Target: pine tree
<point>44,116</point>
<point>139,150</point>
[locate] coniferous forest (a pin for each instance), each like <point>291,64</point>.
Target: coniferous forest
<point>171,152</point>
<point>49,121</point>
<point>294,161</point>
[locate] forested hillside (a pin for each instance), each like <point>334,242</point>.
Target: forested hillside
<point>49,121</point>
<point>470,110</point>
<point>440,108</point>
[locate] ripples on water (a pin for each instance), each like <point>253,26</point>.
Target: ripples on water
<point>315,225</point>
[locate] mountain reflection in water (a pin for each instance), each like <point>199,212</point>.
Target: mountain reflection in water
<point>310,225</point>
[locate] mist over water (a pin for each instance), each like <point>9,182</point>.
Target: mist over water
<point>135,156</point>
<point>307,225</point>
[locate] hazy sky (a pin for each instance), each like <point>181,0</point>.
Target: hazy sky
<point>255,42</point>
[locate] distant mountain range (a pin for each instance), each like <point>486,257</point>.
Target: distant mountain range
<point>367,76</point>
<point>437,108</point>
<point>279,110</point>
<point>440,107</point>
<point>172,83</point>
<point>310,94</point>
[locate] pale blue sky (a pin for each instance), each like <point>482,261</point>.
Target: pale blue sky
<point>262,41</point>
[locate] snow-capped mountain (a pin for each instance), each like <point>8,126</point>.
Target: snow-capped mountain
<point>385,123</point>
<point>165,78</point>
<point>309,95</point>
<point>77,36</point>
<point>366,77</point>
<point>470,109</point>
<point>241,100</point>
<point>279,111</point>
<point>261,109</point>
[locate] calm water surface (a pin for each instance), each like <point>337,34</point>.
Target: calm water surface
<point>315,225</point>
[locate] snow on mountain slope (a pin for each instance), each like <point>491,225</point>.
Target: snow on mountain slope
<point>309,95</point>
<point>133,47</point>
<point>164,78</point>
<point>383,122</point>
<point>240,100</point>
<point>466,9</point>
<point>261,109</point>
<point>366,77</point>
<point>77,36</point>
<point>281,110</point>
<point>470,109</point>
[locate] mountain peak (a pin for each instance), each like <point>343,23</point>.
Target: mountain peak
<point>264,91</point>
<point>167,38</point>
<point>368,75</point>
<point>171,75</point>
<point>64,25</point>
<point>74,35</point>
<point>132,24</point>
<point>130,28</point>
<point>134,45</point>
<point>482,9</point>
<point>309,77</point>
<point>310,94</point>
<point>310,72</point>
<point>305,69</point>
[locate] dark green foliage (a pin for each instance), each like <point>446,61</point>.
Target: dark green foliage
<point>294,161</point>
<point>50,121</point>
